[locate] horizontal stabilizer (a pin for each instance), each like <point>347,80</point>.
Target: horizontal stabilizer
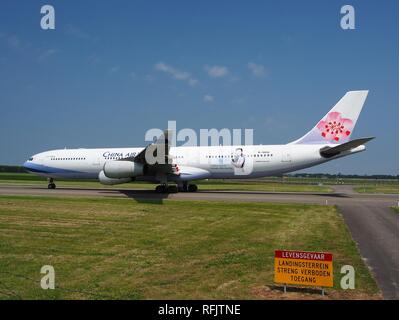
<point>329,152</point>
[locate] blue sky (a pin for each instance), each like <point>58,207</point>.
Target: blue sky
<point>112,70</point>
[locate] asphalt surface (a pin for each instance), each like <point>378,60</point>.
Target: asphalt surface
<point>373,224</point>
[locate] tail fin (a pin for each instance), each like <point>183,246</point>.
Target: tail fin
<point>338,124</point>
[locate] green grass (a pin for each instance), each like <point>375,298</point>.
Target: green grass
<point>396,209</point>
<point>383,188</point>
<point>334,181</point>
<point>247,185</point>
<point>19,176</point>
<point>120,248</point>
<point>269,184</point>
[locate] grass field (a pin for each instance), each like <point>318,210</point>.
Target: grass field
<point>270,184</point>
<point>383,188</point>
<point>247,185</point>
<point>119,248</point>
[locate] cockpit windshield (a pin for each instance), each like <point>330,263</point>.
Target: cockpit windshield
<point>30,159</point>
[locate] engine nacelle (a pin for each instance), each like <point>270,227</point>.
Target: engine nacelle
<point>122,169</point>
<point>109,181</point>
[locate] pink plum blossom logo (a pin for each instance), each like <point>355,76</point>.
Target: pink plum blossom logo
<point>335,127</point>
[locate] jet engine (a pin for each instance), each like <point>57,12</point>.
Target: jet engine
<point>122,169</point>
<point>109,181</point>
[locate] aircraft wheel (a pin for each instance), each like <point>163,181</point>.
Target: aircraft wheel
<point>183,187</point>
<point>160,188</point>
<point>51,186</point>
<point>172,189</point>
<point>192,188</point>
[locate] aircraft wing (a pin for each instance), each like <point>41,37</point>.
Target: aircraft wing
<point>329,152</point>
<point>156,155</point>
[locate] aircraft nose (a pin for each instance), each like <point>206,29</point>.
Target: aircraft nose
<point>29,164</point>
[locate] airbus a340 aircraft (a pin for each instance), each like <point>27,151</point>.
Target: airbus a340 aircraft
<point>328,140</point>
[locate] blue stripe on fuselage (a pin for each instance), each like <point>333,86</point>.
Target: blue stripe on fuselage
<point>39,168</point>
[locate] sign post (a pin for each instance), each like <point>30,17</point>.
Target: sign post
<point>303,268</point>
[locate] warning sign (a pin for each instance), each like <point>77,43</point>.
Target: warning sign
<point>303,268</point>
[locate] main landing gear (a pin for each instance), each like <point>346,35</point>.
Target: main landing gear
<point>163,188</point>
<point>192,188</point>
<point>51,184</point>
<point>185,187</point>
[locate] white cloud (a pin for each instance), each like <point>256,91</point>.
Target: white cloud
<point>76,32</point>
<point>175,73</point>
<point>149,78</point>
<point>208,98</point>
<point>46,54</point>
<point>14,41</point>
<point>133,75</point>
<point>94,59</point>
<point>17,43</point>
<point>113,69</point>
<point>257,69</point>
<point>217,71</point>
<point>192,82</point>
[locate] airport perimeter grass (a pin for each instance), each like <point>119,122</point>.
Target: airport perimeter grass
<point>124,249</point>
<point>385,188</point>
<point>268,184</point>
<point>247,185</point>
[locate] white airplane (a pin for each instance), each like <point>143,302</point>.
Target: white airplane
<point>328,140</point>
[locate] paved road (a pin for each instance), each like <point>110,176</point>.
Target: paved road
<point>374,226</point>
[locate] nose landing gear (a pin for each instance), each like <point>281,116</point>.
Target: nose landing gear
<point>51,184</point>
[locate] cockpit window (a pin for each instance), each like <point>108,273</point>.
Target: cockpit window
<point>31,159</point>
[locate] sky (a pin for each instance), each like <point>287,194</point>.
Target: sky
<point>111,70</point>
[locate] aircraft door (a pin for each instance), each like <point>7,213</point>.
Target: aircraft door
<point>96,162</point>
<point>286,155</point>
